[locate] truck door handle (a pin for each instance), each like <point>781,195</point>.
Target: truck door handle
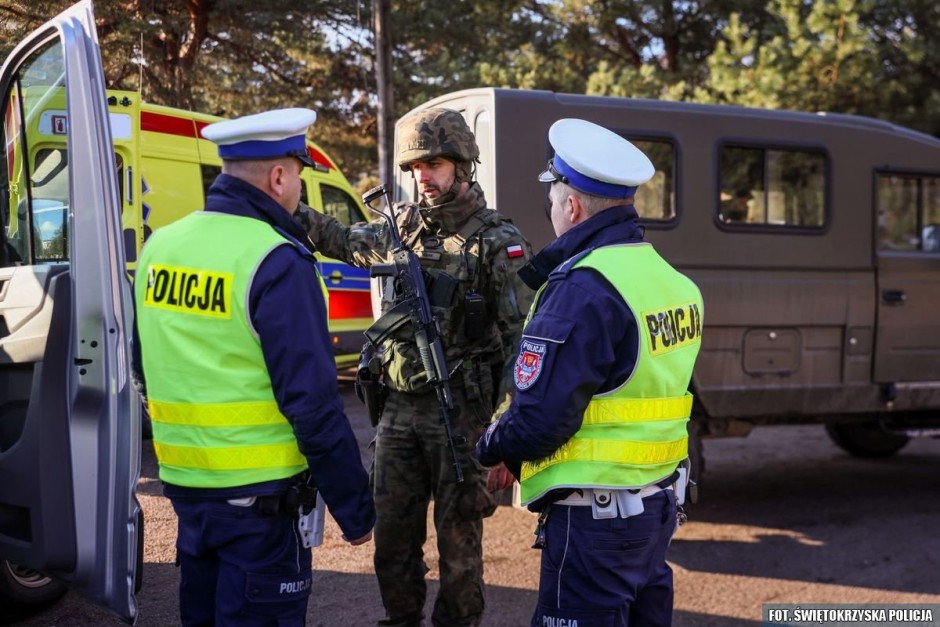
<point>893,297</point>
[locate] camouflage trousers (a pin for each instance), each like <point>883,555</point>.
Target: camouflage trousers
<point>412,465</point>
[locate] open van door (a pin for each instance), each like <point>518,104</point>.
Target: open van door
<point>69,418</point>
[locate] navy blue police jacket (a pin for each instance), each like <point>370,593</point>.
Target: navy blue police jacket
<point>590,342</point>
<point>286,307</point>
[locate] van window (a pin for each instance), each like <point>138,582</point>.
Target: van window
<point>908,212</point>
<point>35,205</point>
<point>656,199</point>
<point>340,205</point>
<point>778,187</point>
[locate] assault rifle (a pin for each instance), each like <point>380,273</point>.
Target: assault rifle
<point>415,307</point>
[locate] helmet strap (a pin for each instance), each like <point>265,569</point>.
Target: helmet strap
<point>463,171</point>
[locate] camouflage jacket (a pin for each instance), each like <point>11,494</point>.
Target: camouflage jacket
<point>478,251</point>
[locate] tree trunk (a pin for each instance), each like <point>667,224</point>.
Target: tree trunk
<point>381,10</point>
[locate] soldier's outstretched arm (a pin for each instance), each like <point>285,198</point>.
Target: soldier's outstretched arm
<point>361,244</point>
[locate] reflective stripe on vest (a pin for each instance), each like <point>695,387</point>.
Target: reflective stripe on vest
<point>635,435</point>
<point>215,420</point>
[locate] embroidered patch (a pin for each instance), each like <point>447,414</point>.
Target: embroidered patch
<point>529,363</point>
<point>514,251</point>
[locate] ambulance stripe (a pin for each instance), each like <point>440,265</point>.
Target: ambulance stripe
<point>184,127</point>
<point>341,276</point>
<point>170,124</point>
<point>319,157</point>
<point>349,304</point>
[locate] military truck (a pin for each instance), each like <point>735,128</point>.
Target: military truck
<point>814,237</point>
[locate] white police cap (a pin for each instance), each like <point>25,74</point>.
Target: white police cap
<point>595,160</point>
<point>268,135</point>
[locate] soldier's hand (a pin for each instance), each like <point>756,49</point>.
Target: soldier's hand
<point>359,541</point>
<point>499,478</point>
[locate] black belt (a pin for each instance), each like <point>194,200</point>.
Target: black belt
<point>665,483</point>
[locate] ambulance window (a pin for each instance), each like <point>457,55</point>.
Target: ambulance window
<point>209,174</point>
<point>908,212</point>
<point>340,205</point>
<point>776,187</point>
<point>49,220</point>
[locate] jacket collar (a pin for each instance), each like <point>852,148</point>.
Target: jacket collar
<point>449,218</point>
<point>615,225</point>
<point>234,196</point>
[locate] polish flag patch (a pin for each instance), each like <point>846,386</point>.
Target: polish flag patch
<point>514,251</point>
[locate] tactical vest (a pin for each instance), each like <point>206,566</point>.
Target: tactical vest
<point>636,434</point>
<point>456,267</point>
<point>216,423</point>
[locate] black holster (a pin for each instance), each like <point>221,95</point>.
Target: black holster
<point>370,388</point>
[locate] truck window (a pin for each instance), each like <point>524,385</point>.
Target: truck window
<point>908,212</point>
<point>772,187</point>
<point>340,205</point>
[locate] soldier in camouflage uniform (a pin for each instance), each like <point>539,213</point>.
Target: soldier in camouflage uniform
<point>470,255</point>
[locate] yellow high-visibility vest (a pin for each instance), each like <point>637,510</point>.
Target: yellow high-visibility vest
<point>215,420</point>
<point>636,434</point>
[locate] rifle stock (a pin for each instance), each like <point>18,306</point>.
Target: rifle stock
<point>414,306</point>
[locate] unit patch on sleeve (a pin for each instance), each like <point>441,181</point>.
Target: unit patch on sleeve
<point>529,363</point>
<point>673,327</point>
<point>186,290</point>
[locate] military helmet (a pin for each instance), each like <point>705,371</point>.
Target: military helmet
<point>435,133</point>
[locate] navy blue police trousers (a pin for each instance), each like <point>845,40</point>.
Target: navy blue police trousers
<point>240,567</point>
<point>610,572</point>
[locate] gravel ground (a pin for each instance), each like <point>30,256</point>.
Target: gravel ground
<point>787,518</point>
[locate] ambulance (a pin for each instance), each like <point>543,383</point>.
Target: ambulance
<point>85,176</point>
<point>164,168</point>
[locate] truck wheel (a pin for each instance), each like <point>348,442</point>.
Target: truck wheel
<point>22,586</point>
<point>866,439</point>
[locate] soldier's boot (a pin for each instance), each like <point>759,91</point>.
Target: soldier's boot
<point>414,620</point>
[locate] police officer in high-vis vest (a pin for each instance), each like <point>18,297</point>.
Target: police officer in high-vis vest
<point>596,432</point>
<point>241,385</point>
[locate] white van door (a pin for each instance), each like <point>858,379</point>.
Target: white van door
<point>69,419</point>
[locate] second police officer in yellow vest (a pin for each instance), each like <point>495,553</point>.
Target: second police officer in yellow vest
<point>239,373</point>
<point>596,431</point>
